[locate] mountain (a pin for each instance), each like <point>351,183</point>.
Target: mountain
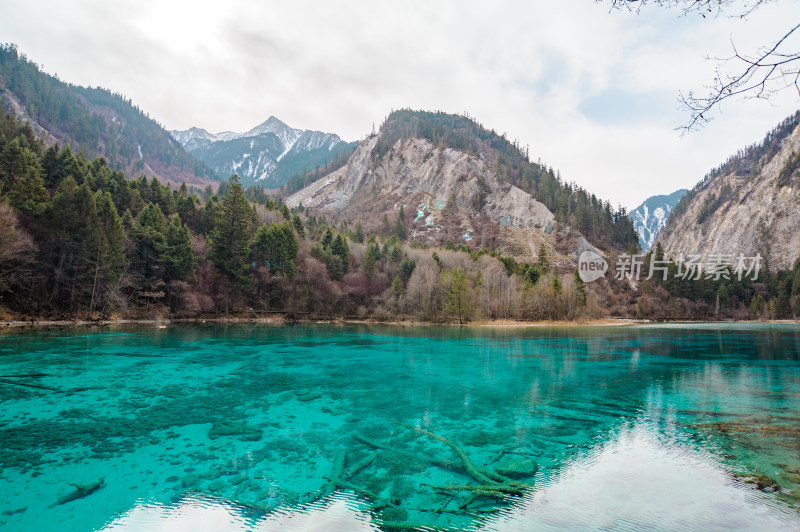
<point>457,181</point>
<point>650,217</point>
<point>269,154</point>
<point>94,121</point>
<point>746,206</point>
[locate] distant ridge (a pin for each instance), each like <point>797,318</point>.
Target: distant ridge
<point>266,155</point>
<point>651,216</point>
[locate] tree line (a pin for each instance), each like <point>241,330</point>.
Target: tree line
<point>79,239</point>
<point>774,294</point>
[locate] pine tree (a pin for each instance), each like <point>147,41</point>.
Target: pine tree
<point>298,226</point>
<point>542,258</point>
<point>127,220</point>
<point>340,249</point>
<point>757,306</point>
<point>580,288</point>
<point>275,246</point>
<point>149,246</point>
<point>73,233</point>
<point>369,264</point>
<point>180,262</point>
<point>556,284</point>
<point>110,256</point>
<point>28,195</point>
<point>399,229</point>
<point>113,236</point>
<point>397,286</point>
<point>358,233</point>
<point>782,307</point>
<point>230,237</point>
<point>17,162</point>
<point>407,269</point>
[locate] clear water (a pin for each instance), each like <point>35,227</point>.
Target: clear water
<point>241,428</point>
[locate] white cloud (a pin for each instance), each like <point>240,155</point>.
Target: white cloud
<point>593,93</point>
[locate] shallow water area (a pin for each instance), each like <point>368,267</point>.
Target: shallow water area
<point>236,427</point>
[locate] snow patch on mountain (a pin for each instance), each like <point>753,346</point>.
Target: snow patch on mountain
<point>651,216</point>
<point>264,147</point>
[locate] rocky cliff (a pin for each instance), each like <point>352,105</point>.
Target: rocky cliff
<point>435,177</point>
<point>750,204</point>
<point>428,181</point>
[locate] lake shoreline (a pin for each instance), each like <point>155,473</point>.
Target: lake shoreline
<point>281,320</point>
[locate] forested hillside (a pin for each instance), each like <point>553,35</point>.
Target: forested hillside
<point>78,239</point>
<point>746,163</point>
<point>596,219</point>
<point>93,121</point>
<point>747,205</point>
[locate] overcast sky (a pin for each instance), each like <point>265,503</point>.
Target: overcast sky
<point>594,94</point>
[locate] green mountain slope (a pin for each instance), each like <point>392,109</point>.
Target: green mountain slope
<point>94,121</point>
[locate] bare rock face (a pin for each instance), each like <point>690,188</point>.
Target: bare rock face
<point>426,179</point>
<point>744,212</point>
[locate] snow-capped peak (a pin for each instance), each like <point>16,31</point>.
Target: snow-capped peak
<point>257,153</point>
<point>287,135</point>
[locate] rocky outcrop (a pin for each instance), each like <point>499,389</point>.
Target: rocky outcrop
<point>747,207</point>
<point>426,179</point>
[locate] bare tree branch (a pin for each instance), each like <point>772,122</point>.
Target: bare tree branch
<point>701,7</point>
<point>758,75</point>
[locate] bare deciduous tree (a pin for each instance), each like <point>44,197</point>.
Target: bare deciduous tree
<point>759,74</point>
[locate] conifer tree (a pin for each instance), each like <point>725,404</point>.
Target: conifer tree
<point>406,269</point>
<point>358,233</point>
<point>399,228</point>
<point>327,238</point>
<point>276,247</point>
<point>179,258</point>
<point>230,237</point>
<point>580,288</point>
<point>298,226</point>
<point>542,256</point>
<point>340,249</point>
<point>149,244</point>
<point>110,256</point>
<point>72,225</point>
<point>28,195</point>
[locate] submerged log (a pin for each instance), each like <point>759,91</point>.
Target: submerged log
<point>26,385</point>
<point>500,488</point>
<point>80,492</point>
<point>354,469</point>
<point>444,464</point>
<point>333,479</point>
<point>481,475</point>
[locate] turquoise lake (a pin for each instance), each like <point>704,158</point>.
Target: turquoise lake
<point>323,427</point>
